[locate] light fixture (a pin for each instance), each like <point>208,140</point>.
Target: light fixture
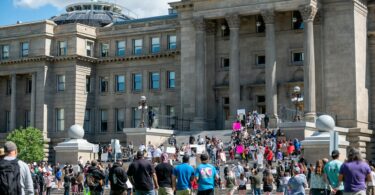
<point>223,27</point>
<point>294,19</point>
<point>259,23</point>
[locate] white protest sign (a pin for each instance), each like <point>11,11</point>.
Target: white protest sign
<point>171,150</point>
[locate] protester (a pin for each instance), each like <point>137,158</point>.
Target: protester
<point>371,184</point>
<point>95,179</point>
<point>318,185</point>
<point>297,183</point>
<point>184,174</point>
<point>331,170</point>
<point>17,176</point>
<point>230,181</point>
<point>142,175</point>
<point>117,177</point>
<point>164,172</point>
<point>206,175</point>
<point>267,182</point>
<point>242,184</point>
<point>256,181</point>
<point>354,173</point>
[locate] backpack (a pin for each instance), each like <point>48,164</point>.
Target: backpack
<point>92,181</point>
<point>10,177</point>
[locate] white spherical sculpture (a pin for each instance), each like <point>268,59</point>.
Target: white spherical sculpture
<point>76,132</point>
<point>325,123</point>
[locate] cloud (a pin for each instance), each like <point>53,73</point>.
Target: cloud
<point>142,8</point>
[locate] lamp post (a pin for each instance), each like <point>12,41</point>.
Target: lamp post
<point>142,106</point>
<point>297,98</point>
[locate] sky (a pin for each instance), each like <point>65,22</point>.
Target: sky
<point>12,11</point>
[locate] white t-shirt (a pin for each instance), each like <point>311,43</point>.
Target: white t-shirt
<point>242,182</point>
<point>157,152</point>
<point>372,183</point>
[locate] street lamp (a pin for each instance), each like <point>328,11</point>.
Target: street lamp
<point>142,106</point>
<point>297,98</point>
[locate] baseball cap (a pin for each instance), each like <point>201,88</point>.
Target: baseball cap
<point>10,146</point>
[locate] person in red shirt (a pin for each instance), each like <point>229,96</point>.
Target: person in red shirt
<point>290,149</point>
<point>270,157</point>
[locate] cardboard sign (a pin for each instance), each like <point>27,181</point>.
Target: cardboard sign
<point>171,150</point>
<point>95,148</point>
<point>104,157</point>
<point>193,161</point>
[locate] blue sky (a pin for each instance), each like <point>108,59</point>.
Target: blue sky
<point>12,11</point>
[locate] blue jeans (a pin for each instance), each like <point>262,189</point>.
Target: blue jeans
<point>138,192</point>
<point>256,191</point>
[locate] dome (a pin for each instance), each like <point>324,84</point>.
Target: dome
<point>96,14</point>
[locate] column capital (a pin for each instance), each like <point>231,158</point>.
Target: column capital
<point>268,16</point>
<point>211,27</point>
<point>199,23</point>
<point>233,20</point>
<point>308,12</point>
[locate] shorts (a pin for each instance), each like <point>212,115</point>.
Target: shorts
<point>206,192</point>
<point>242,187</point>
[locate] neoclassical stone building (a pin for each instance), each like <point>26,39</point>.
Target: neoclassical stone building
<point>196,66</point>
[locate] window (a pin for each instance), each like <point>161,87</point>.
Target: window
<point>29,85</point>
<point>137,46</point>
<point>88,83</point>
<point>86,123</point>
<point>60,82</point>
<point>225,31</point>
<point>261,98</point>
<point>104,49</point>
<point>5,52</point>
<point>172,42</point>
<point>62,48</point>
<point>137,82</point>
<point>225,62</point>
<point>297,21</point>
<point>226,100</point>
<point>171,80</point>
<point>9,87</point>
<point>297,57</point>
<point>120,83</point>
<point>24,49</point>
<point>89,48</point>
<point>103,84</point>
<point>103,120</point>
<point>27,119</point>
<point>260,60</point>
<point>120,48</point>
<point>261,26</point>
<point>170,117</point>
<point>60,119</point>
<point>154,80</point>
<point>155,45</point>
<point>120,119</point>
<point>136,116</point>
<point>7,120</point>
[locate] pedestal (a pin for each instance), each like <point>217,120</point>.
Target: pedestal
<point>199,124</point>
<point>140,136</point>
<point>69,151</point>
<point>299,130</point>
<point>274,122</point>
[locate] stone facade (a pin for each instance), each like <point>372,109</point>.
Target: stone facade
<point>228,55</point>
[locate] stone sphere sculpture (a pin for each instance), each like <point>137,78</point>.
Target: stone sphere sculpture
<point>325,123</point>
<point>76,132</point>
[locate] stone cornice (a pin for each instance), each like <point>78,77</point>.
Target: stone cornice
<point>88,59</point>
<point>182,5</point>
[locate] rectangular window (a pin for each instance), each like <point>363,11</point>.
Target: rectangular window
<point>60,82</point>
<point>120,48</point>
<point>24,49</point>
<point>137,46</point>
<point>136,116</point>
<point>297,21</point>
<point>154,80</point>
<point>9,87</point>
<point>155,45</point>
<point>62,48</point>
<point>171,80</point>
<point>171,117</point>
<point>137,82</point>
<point>120,119</point>
<point>261,26</point>
<point>103,84</point>
<point>86,123</point>
<point>5,52</point>
<point>172,42</point>
<point>225,31</point>
<point>261,60</point>
<point>225,62</point>
<point>104,49</point>
<point>261,99</point>
<point>7,120</point>
<point>297,57</point>
<point>89,48</point>
<point>226,100</point>
<point>120,83</point>
<point>27,118</point>
<point>60,119</point>
<point>88,83</point>
<point>29,85</point>
<point>103,120</point>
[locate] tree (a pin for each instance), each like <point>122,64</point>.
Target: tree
<point>30,143</point>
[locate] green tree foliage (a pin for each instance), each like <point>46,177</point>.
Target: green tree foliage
<point>29,142</point>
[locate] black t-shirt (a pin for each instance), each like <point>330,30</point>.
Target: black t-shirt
<point>164,173</point>
<point>141,171</point>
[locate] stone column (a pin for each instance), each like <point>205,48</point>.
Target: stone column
<point>233,21</point>
<point>13,103</point>
<point>32,99</point>
<point>210,74</point>
<point>271,85</point>
<point>199,122</point>
<point>308,13</point>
